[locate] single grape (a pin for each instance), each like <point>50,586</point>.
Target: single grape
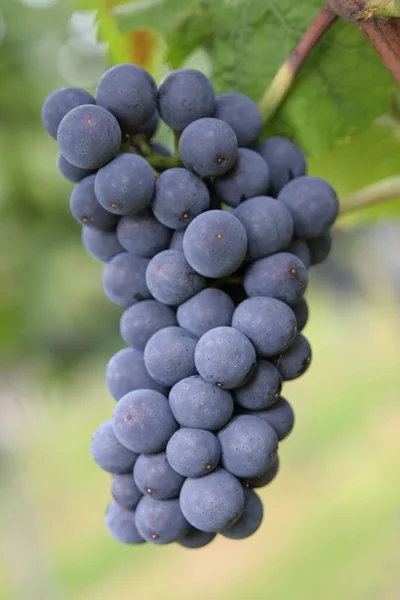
<point>70,172</point>
<point>125,492</point>
<point>160,149</point>
<point>300,310</point>
<point>268,225</point>
<point>140,321</point>
<point>320,247</point>
<point>280,417</point>
<point>179,197</point>
<point>249,177</point>
<point>59,103</point>
<point>196,538</point>
<point>129,93</point>
<point>225,357</point>
<point>242,114</point>
<point>124,279</point>
<point>154,476</point>
<point>281,276</point>
<point>208,309</point>
<point>142,234</point>
<point>262,390</point>
<point>184,96</point>
<point>102,245</point>
<point>213,502</point>
<point>250,520</point>
<point>169,355</point>
<point>121,523</point>
<point>85,208</point>
<point>313,204</point>
<point>285,160</point>
<point>89,136</point>
<point>295,360</point>
<point>109,454</point>
<point>268,323</point>
<point>248,446</point>
<point>160,521</point>
<point>143,422</point>
<point>193,452</point>
<point>125,185</point>
<point>149,127</point>
<point>299,248</point>
<point>196,403</point>
<point>264,479</point>
<point>176,242</point>
<point>170,278</point>
<point>208,147</point>
<point>126,372</point>
<point>215,243</point>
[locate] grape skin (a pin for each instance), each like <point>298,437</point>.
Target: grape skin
<point>242,114</point>
<point>193,452</point>
<point>101,245</point>
<point>121,523</point>
<point>154,476</point>
<point>160,521</point>
<point>169,355</point>
<point>59,103</point>
<point>86,209</point>
<point>141,320</point>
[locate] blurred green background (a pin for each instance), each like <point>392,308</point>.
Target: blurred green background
<point>331,526</point>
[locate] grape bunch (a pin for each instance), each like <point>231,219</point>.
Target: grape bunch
<point>207,250</point>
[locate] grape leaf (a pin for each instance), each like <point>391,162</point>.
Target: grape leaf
<point>342,88</point>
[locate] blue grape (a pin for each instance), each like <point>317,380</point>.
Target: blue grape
<point>149,127</point>
<point>184,96</point>
<point>129,93</point>
<point>154,476</point>
<point>208,309</point>
<point>140,321</point>
<point>160,521</point>
<point>248,446</point>
<point>196,403</point>
<point>143,421</point>
<point>208,147</point>
<point>300,310</point>
<point>280,417</point>
<point>102,245</point>
<point>124,279</point>
<point>193,452</point>
<point>125,185</point>
<point>89,136</point>
<point>126,372</point>
<point>142,234</point>
<point>85,208</point>
<point>268,323</point>
<point>213,502</point>
<point>281,276</point>
<point>225,356</point>
<point>262,390</point>
<point>242,114</point>
<point>285,160</point>
<point>59,103</point>
<point>249,177</point>
<point>70,172</point>
<point>299,248</point>
<point>121,523</point>
<point>125,492</point>
<point>109,454</point>
<point>176,242</point>
<point>313,204</point>
<point>295,360</point>
<point>250,520</point>
<point>170,278</point>
<point>169,355</point>
<point>179,197</point>
<point>196,538</point>
<point>268,225</point>
<point>160,149</point>
<point>266,478</point>
<point>215,243</point>
<point>320,247</point>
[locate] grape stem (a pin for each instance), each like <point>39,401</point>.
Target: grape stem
<point>380,191</point>
<point>153,158</point>
<point>281,83</point>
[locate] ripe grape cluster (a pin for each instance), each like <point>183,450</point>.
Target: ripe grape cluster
<point>207,250</point>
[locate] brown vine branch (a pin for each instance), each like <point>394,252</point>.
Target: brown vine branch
<point>384,36</point>
<point>281,83</point>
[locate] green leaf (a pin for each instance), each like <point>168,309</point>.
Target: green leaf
<point>187,37</point>
<point>161,15</point>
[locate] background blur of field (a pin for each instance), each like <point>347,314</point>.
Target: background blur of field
<point>332,518</point>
